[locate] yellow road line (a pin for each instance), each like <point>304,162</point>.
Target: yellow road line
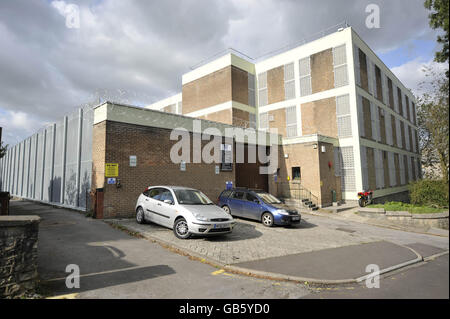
<point>68,296</point>
<point>218,272</point>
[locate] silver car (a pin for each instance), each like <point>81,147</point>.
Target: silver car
<point>185,210</point>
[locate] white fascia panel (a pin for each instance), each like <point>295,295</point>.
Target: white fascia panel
<point>218,64</point>
<point>174,99</point>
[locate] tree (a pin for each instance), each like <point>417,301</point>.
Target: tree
<point>439,20</point>
<point>433,122</point>
<point>3,149</point>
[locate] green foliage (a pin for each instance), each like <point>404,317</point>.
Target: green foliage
<point>439,20</point>
<point>433,123</point>
<point>413,209</point>
<point>428,192</point>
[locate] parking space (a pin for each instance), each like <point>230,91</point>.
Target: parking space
<point>252,241</point>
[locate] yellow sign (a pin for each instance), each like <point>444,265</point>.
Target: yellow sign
<point>111,170</point>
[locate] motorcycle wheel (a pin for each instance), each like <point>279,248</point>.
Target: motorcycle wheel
<point>361,202</point>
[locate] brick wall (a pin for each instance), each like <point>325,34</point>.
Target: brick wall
<point>154,167</point>
<point>212,89</point>
<point>279,120</point>
<point>275,85</point>
<point>319,117</point>
<point>322,75</point>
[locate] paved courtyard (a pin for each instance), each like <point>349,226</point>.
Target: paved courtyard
<point>251,241</point>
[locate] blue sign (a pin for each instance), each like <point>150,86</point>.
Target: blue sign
<point>229,185</point>
<point>111,181</point>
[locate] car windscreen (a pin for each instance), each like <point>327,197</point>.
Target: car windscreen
<point>269,198</point>
<point>191,197</point>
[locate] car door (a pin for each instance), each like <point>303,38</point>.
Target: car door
<point>235,203</point>
<point>151,202</point>
<point>251,206</point>
<point>165,212</point>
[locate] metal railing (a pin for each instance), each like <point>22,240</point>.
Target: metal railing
<point>295,190</point>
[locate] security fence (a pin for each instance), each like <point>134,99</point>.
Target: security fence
<point>54,165</point>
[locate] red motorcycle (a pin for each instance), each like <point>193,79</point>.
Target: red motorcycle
<point>365,198</point>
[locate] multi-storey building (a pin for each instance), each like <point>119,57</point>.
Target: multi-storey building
<point>332,95</point>
<point>345,124</point>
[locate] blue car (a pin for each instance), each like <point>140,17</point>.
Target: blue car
<point>258,205</point>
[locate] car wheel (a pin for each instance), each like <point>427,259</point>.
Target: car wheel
<point>181,229</point>
<point>227,209</point>
<point>140,215</point>
<point>267,219</point>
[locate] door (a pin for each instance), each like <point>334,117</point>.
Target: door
<point>150,201</point>
<point>165,212</point>
<point>252,207</point>
<point>236,203</point>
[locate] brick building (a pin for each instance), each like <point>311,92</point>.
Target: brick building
<point>347,122</point>
<point>343,123</point>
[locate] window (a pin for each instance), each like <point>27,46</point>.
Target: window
<point>227,157</point>
<point>296,175</point>
<point>251,89</point>
<point>360,116</point>
<point>384,81</point>
<point>388,127</point>
<point>371,77</point>
<point>252,198</point>
<point>337,161</point>
<point>291,121</point>
<point>379,169</point>
<point>401,165</point>
<point>398,132</point>
<point>364,167</point>
<point>238,195</point>
<point>340,66</point>
<point>264,121</point>
<point>406,128</point>
<point>155,193</point>
<point>289,81</point>
<point>305,76</point>
<point>375,120</point>
<point>357,65</point>
<point>391,165</point>
<point>343,116</point>
<point>262,89</point>
<point>166,195</point>
<point>395,94</point>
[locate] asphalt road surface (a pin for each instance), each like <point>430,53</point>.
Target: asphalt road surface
<point>114,264</point>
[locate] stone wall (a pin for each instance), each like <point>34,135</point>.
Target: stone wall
<point>438,220</point>
<point>18,255</point>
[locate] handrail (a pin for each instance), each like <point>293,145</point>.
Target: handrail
<point>298,191</point>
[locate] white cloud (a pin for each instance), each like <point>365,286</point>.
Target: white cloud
<point>18,126</point>
<point>412,74</point>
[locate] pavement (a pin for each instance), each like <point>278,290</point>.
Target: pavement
<point>116,265</point>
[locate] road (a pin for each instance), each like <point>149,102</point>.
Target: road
<point>114,264</point>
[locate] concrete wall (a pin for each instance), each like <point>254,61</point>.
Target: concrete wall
<point>18,252</point>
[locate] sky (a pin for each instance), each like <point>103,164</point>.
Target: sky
<point>136,51</point>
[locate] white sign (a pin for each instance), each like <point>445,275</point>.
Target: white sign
<point>133,160</point>
<point>111,181</point>
<point>217,169</point>
<point>183,166</point>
